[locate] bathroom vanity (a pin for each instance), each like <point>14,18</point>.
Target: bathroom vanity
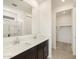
<point>39,51</point>
<point>21,40</point>
<point>27,47</point>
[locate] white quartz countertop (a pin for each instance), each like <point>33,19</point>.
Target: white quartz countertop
<point>15,49</point>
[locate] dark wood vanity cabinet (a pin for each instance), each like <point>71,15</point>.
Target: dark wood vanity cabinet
<point>43,50</point>
<point>29,54</point>
<point>38,52</point>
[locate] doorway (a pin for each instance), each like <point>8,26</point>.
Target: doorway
<point>64,31</point>
<point>64,26</point>
<point>64,35</point>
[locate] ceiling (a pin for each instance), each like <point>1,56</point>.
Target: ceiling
<point>59,3</point>
<point>18,4</point>
<point>26,7</point>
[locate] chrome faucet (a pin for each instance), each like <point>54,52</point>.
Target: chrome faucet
<point>35,37</point>
<point>17,40</point>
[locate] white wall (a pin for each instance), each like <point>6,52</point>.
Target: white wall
<point>54,28</point>
<point>45,19</point>
<point>74,31</point>
<point>46,22</point>
<point>35,20</point>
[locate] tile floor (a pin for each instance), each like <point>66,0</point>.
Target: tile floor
<point>63,51</point>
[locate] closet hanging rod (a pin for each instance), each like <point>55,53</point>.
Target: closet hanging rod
<point>29,16</point>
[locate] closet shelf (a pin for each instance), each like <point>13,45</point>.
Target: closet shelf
<point>64,26</point>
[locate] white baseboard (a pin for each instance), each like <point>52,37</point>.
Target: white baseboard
<point>49,57</point>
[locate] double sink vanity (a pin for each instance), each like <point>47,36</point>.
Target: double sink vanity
<point>26,47</point>
<point>18,40</point>
<point>22,38</point>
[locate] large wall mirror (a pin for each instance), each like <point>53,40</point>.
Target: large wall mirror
<point>17,18</point>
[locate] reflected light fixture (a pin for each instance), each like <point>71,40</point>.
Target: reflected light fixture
<point>63,0</point>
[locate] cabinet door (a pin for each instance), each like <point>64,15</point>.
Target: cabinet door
<point>29,54</point>
<point>20,56</point>
<point>40,52</point>
<point>45,50</point>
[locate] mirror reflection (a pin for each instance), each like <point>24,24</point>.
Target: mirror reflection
<point>17,18</point>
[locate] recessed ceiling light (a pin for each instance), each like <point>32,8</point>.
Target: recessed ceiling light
<point>63,0</point>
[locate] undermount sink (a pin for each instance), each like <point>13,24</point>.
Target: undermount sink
<point>31,41</point>
<point>12,48</point>
<point>23,43</point>
<point>27,43</point>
